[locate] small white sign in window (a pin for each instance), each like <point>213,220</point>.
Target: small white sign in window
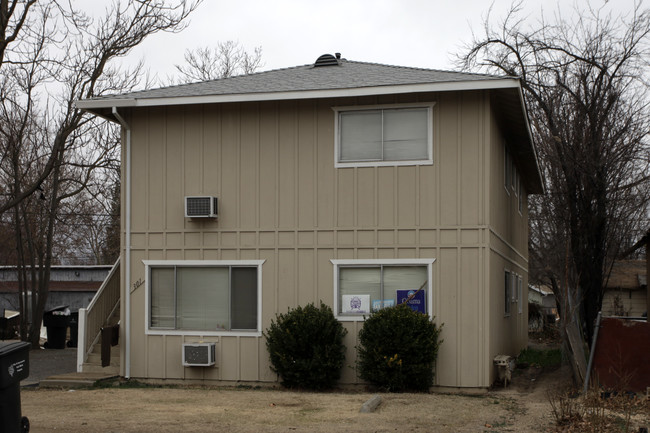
<point>356,304</point>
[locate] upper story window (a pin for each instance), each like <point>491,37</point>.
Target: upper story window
<point>507,170</point>
<point>390,135</point>
<point>520,196</point>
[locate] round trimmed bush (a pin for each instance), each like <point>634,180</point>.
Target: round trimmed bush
<point>398,348</point>
<point>306,347</point>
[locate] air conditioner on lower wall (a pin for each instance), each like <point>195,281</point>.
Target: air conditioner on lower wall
<point>198,354</point>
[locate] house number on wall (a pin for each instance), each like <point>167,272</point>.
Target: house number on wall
<point>137,284</point>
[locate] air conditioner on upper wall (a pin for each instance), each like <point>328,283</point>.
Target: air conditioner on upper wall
<point>200,207</point>
<point>199,354</point>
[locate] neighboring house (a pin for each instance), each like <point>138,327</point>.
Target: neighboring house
<point>335,181</point>
<point>626,290</point>
<point>545,298</point>
<point>73,286</point>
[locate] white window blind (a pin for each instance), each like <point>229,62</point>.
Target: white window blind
<point>402,278</point>
<point>162,298</point>
<point>202,298</point>
<point>405,134</point>
<point>361,136</point>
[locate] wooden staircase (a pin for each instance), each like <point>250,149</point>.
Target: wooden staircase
<point>92,370</point>
<point>93,363</point>
<point>102,312</point>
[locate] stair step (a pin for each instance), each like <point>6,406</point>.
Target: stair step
<point>111,370</point>
<point>115,350</point>
<point>75,380</point>
<point>96,358</point>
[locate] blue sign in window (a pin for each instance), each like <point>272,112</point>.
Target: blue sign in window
<point>417,302</point>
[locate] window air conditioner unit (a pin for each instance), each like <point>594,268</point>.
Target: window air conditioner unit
<point>198,354</point>
<point>201,207</point>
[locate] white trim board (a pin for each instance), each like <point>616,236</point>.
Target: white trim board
<point>121,101</point>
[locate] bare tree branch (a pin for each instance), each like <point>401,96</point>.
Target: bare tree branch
<point>585,84</point>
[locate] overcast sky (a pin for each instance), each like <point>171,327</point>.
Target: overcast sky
<point>418,33</point>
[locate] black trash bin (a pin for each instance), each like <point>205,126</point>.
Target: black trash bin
<point>56,320</point>
<point>74,329</point>
<point>14,367</point>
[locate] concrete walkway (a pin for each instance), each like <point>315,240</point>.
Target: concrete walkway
<point>57,368</point>
<point>44,363</point>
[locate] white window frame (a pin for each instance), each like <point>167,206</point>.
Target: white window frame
<point>507,296</point>
<point>337,135</point>
<point>506,169</point>
<point>149,264</point>
<point>520,301</point>
<point>520,196</point>
<point>376,262</point>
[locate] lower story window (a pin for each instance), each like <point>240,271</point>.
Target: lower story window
<point>520,301</point>
<point>204,296</point>
<point>363,286</point>
<point>508,292</point>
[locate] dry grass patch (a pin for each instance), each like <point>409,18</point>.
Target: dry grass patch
<point>162,410</point>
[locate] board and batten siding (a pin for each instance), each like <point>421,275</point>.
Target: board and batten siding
<point>508,334</point>
<point>281,200</point>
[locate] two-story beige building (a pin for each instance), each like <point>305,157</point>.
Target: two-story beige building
<point>339,181</point>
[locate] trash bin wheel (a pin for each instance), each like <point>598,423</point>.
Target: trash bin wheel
<point>24,425</point>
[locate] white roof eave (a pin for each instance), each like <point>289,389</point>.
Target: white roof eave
<point>95,104</point>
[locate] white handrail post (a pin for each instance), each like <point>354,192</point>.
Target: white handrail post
<point>81,340</point>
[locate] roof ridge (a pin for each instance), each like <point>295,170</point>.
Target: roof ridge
<point>418,68</point>
<point>194,83</point>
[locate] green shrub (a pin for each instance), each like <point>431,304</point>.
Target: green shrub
<point>306,347</point>
<point>398,348</point>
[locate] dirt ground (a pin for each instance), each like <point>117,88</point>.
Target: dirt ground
<point>522,407</point>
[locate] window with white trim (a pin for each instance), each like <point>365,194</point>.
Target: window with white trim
<point>508,292</point>
<point>390,135</point>
<point>507,167</point>
<point>520,299</point>
<point>206,296</point>
<point>363,286</point>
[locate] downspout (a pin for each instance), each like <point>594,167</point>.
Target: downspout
<point>591,353</point>
<point>127,261</point>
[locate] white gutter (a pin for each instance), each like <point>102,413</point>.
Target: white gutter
<point>127,261</point>
<point>530,137</point>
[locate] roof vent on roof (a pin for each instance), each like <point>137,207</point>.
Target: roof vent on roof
<point>327,60</point>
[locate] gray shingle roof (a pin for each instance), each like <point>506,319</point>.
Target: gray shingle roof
<point>349,75</point>
<point>347,78</point>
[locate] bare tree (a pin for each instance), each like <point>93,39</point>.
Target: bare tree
<point>13,15</point>
<point>224,60</point>
<point>585,84</point>
<point>47,145</point>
